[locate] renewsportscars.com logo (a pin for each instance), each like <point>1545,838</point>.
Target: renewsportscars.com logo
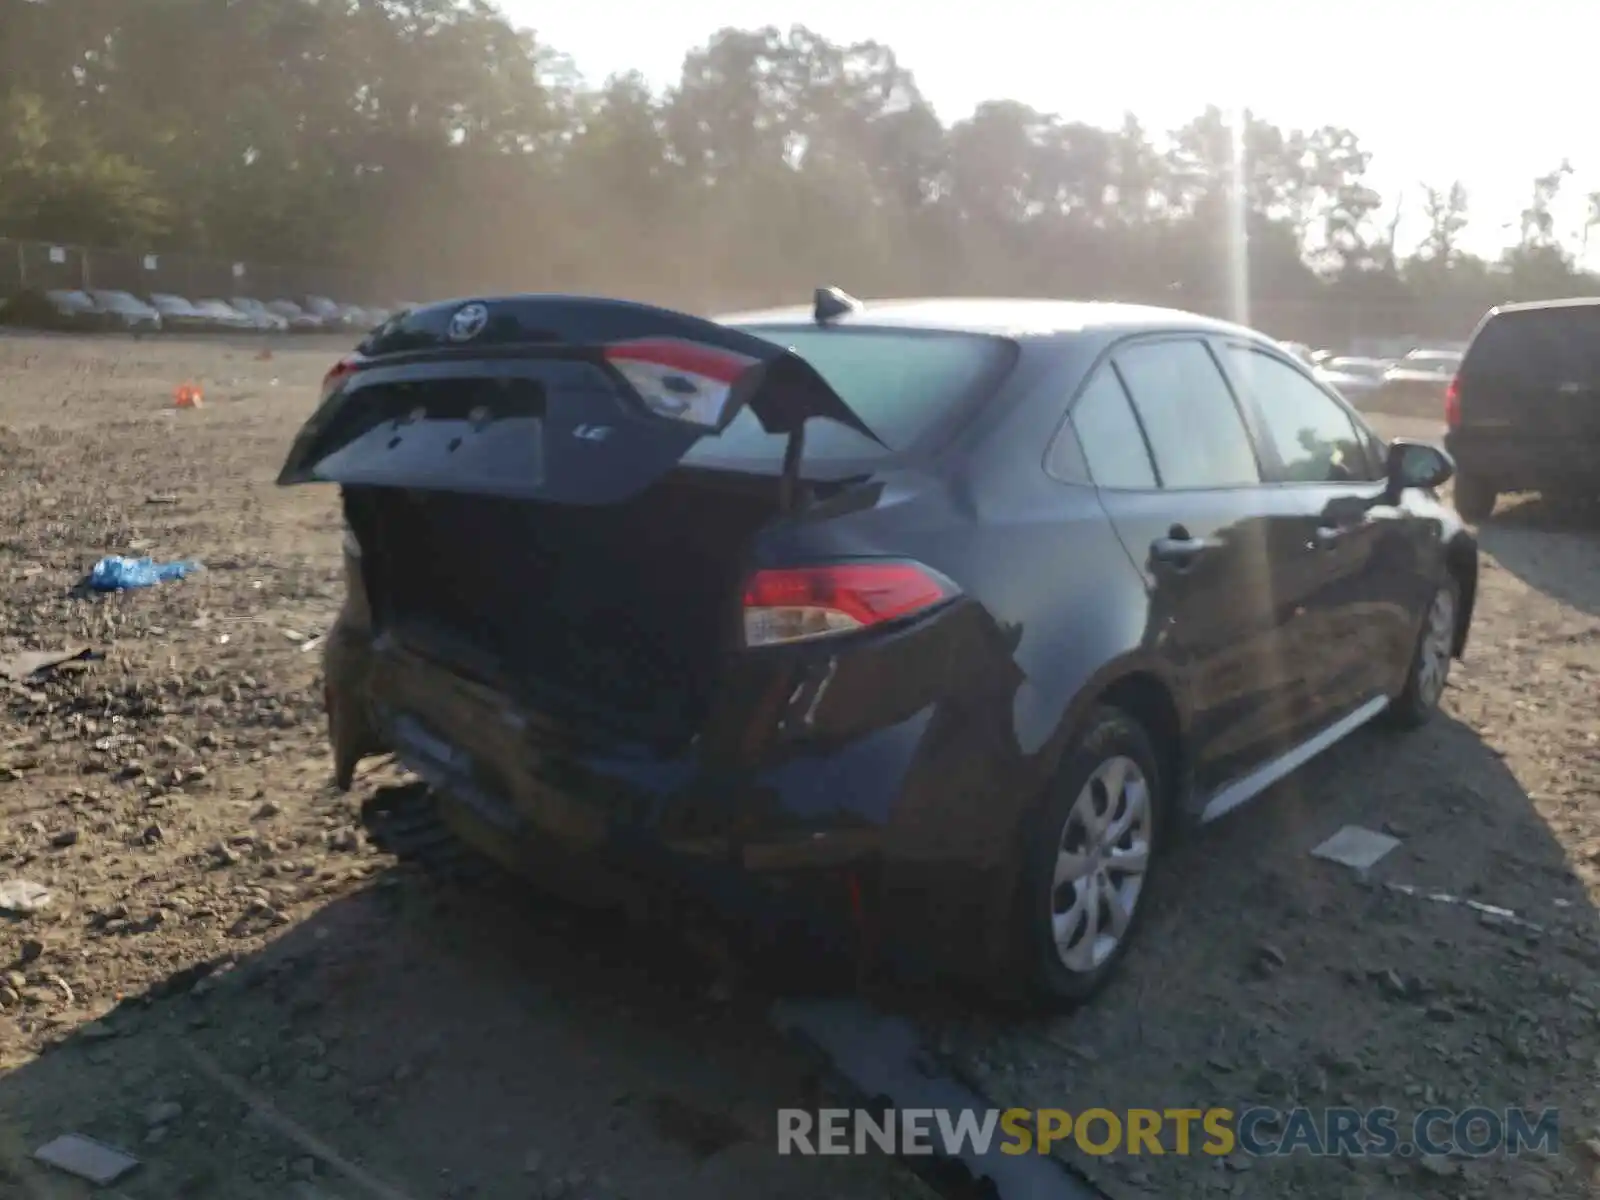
<point>1258,1132</point>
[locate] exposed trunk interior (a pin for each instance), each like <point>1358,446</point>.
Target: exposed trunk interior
<point>617,612</point>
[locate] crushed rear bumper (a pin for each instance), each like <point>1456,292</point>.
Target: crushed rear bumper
<point>811,846</point>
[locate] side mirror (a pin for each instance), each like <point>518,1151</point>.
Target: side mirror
<point>1416,465</point>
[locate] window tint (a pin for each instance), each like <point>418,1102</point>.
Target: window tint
<point>1109,433</point>
<point>1188,413</point>
<point>1315,440</point>
<point>902,383</point>
<point>1539,346</point>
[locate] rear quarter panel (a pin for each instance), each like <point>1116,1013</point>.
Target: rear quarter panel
<point>982,703</point>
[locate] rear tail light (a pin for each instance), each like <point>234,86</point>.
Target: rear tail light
<point>801,603</point>
<point>339,372</point>
<point>683,380</point>
<point>1452,404</point>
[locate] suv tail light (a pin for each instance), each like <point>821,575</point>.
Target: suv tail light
<point>801,603</point>
<point>1452,403</point>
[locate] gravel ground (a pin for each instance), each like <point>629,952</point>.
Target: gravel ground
<point>235,984</point>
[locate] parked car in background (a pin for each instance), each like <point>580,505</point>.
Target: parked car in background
<point>1415,384</point>
<point>1523,411</point>
<point>1351,377</point>
<point>300,321</point>
<point>364,318</point>
<point>334,315</point>
<point>1300,350</point>
<point>790,611</point>
<point>261,317</point>
<point>125,311</point>
<point>54,309</point>
<point>178,314</point>
<point>222,317</point>
<point>1427,364</point>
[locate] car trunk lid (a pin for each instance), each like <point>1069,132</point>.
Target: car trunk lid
<point>1534,374</point>
<point>511,471</point>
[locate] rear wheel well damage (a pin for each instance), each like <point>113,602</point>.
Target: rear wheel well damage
<point>1461,560</point>
<point>1149,701</point>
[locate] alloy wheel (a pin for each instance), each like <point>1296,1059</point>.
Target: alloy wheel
<point>1433,661</point>
<point>1101,860</point>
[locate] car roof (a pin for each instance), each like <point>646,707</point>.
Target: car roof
<point>1531,305</point>
<point>1010,318</point>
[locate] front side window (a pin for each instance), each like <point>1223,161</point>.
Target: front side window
<point>1312,437</point>
<point>1189,416</point>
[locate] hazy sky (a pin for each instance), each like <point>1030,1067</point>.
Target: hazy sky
<point>1486,93</point>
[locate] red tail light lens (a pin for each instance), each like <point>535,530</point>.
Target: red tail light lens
<point>802,603</point>
<point>682,380</point>
<point>339,372</point>
<point>1452,404</point>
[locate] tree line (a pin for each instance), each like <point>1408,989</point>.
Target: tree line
<point>434,143</point>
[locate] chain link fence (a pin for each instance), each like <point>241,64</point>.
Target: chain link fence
<point>1389,328</point>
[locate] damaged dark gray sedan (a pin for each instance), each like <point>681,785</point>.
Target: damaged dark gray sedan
<point>924,623</point>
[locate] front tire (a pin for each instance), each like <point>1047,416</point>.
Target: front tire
<point>1088,861</point>
<point>1475,497</point>
<point>1430,661</point>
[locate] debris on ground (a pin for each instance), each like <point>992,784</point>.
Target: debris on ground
<point>1355,847</point>
<point>1490,914</point>
<point>28,663</point>
<point>116,573</point>
<point>23,896</point>
<point>86,1158</point>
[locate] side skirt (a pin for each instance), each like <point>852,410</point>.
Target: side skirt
<point>1231,795</point>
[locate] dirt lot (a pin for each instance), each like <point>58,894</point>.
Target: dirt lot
<point>233,982</point>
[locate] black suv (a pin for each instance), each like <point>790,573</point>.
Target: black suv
<point>1524,409</point>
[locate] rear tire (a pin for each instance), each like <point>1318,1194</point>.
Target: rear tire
<point>1088,859</point>
<point>1430,661</point>
<point>1475,497</point>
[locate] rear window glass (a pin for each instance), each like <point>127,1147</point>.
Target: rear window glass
<point>1542,345</point>
<point>902,383</point>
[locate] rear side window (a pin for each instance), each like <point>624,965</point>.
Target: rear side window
<point>1189,415</point>
<point>1539,346</point>
<point>902,383</point>
<point>1113,445</point>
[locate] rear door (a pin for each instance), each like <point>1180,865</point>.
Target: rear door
<point>1533,375</point>
<point>1358,573</point>
<point>1179,477</point>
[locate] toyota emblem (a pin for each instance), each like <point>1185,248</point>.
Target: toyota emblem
<point>468,322</point>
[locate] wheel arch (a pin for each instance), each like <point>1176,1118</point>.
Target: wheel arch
<point>1147,691</point>
<point>1461,560</point>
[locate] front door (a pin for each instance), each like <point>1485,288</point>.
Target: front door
<point>1358,625</point>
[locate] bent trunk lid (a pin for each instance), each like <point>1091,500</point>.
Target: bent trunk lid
<point>556,398</point>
